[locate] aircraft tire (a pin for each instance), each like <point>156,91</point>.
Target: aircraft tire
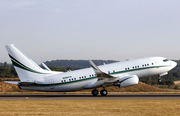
<point>159,80</point>
<point>95,92</point>
<point>103,92</point>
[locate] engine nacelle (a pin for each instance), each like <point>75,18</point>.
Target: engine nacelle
<point>128,81</point>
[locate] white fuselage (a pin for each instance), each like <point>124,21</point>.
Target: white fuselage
<point>84,78</point>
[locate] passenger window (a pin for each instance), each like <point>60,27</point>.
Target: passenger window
<point>89,75</point>
<point>79,77</point>
<point>69,79</point>
<point>64,80</point>
<point>74,78</point>
<point>152,64</point>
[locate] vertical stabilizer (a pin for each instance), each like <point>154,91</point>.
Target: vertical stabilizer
<point>27,70</point>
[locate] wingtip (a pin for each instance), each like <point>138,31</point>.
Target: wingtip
<point>90,61</point>
<point>9,45</point>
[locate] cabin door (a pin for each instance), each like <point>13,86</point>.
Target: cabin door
<point>52,86</point>
<point>156,63</point>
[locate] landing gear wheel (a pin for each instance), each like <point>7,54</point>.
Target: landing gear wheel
<point>95,92</point>
<point>159,80</point>
<point>103,92</point>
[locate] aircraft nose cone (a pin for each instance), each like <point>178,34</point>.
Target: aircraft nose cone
<point>173,64</point>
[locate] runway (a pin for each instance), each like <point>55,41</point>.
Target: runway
<point>89,97</point>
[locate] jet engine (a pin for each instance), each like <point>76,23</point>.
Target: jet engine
<point>128,81</point>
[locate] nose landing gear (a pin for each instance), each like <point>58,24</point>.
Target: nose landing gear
<point>159,80</point>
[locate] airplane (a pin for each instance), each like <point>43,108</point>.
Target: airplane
<point>121,74</point>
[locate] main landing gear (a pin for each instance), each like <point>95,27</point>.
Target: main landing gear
<point>159,80</point>
<point>103,92</point>
<point>95,92</point>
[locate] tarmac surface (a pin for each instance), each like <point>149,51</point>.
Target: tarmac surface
<point>89,97</point>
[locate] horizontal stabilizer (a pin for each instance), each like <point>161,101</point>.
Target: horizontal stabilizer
<point>20,83</point>
<point>12,82</point>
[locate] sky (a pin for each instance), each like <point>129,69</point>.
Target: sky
<point>48,30</point>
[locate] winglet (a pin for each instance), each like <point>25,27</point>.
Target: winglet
<point>96,69</point>
<point>99,73</point>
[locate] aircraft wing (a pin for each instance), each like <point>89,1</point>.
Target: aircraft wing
<point>103,78</point>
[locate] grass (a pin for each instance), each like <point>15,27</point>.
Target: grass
<point>177,83</point>
<point>91,107</point>
<point>10,79</point>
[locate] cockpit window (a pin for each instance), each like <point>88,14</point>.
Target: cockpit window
<point>165,60</point>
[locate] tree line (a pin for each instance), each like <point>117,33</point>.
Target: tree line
<point>75,64</point>
<point>7,71</point>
